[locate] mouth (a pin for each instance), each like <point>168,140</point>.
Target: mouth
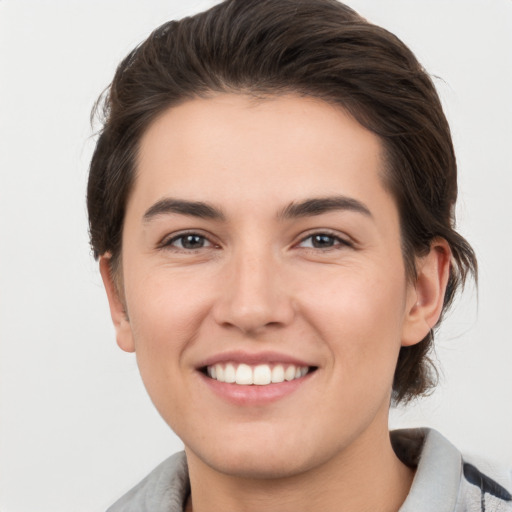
<point>255,375</point>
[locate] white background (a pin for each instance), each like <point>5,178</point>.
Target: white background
<point>76,426</point>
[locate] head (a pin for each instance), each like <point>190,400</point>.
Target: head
<point>276,175</point>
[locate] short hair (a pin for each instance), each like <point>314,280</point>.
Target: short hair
<point>315,48</point>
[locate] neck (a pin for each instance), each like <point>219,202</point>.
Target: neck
<point>367,476</point>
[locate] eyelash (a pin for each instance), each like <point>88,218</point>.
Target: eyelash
<point>337,241</point>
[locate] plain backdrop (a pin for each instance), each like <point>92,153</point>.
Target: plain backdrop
<point>76,426</point>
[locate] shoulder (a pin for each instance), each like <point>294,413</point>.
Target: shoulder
<point>163,490</point>
<point>446,480</point>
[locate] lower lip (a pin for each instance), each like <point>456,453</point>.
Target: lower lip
<point>254,395</point>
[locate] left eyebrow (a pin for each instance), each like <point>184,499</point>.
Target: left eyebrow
<point>320,205</point>
<point>197,209</point>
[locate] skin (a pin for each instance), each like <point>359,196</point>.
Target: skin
<point>256,281</point>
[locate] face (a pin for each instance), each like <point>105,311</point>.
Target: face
<point>261,246</point>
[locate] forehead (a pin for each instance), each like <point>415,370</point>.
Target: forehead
<point>235,150</point>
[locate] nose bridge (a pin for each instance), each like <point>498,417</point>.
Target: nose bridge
<point>253,292</point>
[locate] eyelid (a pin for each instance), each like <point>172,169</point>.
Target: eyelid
<point>343,240</point>
<point>167,241</point>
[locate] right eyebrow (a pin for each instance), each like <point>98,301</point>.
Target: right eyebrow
<point>321,205</point>
<point>197,209</point>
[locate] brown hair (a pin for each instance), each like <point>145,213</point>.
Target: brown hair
<point>317,48</point>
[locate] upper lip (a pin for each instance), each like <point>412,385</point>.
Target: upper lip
<point>252,358</point>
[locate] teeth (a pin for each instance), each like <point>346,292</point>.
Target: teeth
<point>262,375</point>
<point>259,375</point>
<point>230,373</point>
<point>278,373</point>
<point>243,375</point>
<point>289,373</point>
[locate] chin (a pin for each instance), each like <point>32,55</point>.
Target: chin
<point>257,465</point>
<point>255,455</point>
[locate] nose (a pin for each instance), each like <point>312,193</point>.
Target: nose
<point>253,294</point>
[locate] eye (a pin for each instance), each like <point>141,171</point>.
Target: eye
<point>188,242</point>
<point>323,241</point>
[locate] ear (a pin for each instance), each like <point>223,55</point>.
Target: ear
<point>124,335</point>
<point>426,295</point>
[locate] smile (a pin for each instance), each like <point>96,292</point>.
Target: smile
<point>258,375</point>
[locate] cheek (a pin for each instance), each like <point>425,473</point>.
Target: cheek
<point>359,315</point>
<point>160,299</point>
<point>166,314</point>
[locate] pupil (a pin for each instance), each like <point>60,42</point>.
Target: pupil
<point>192,242</point>
<point>322,241</point>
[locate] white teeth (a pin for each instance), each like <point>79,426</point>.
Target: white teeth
<point>259,375</point>
<point>278,373</point>
<point>289,373</point>
<point>243,375</point>
<point>219,371</point>
<point>262,375</point>
<point>230,374</point>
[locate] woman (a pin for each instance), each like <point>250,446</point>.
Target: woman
<point>271,200</point>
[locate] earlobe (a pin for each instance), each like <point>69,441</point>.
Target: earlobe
<point>124,336</point>
<point>426,295</point>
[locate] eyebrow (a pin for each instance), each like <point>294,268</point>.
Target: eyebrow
<point>197,209</point>
<point>318,206</point>
<point>306,208</point>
